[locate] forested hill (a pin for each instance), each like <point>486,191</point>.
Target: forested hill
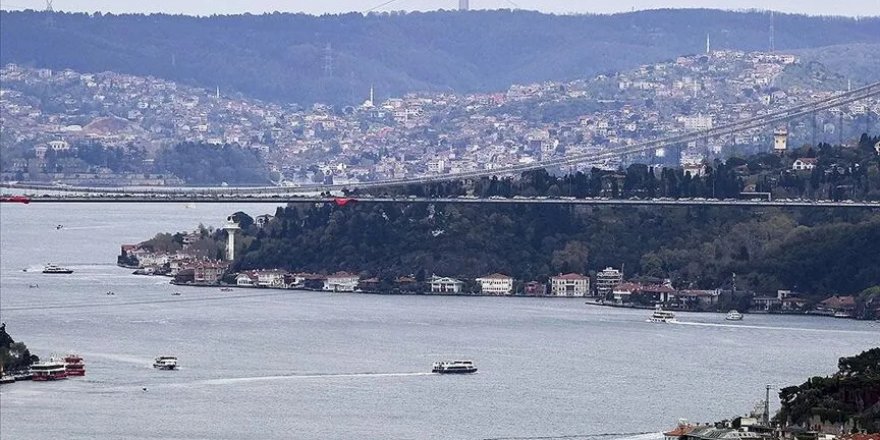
<point>282,56</point>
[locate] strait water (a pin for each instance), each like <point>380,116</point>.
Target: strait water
<point>258,364</point>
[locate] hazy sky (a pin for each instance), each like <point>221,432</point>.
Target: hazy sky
<point>207,7</point>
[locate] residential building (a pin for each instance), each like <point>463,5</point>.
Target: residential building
<point>765,303</point>
<point>804,164</point>
<point>607,279</point>
<point>245,280</point>
<point>697,298</point>
<point>571,284</point>
<point>622,293</point>
<point>341,282</point>
<point>446,285</point>
<point>209,272</point>
<point>270,278</point>
<point>838,304</point>
<point>496,284</point>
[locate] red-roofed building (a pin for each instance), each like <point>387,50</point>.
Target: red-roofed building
<point>844,304</point>
<point>209,272</point>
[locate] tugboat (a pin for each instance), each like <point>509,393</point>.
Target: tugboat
<point>662,316</point>
<point>454,367</point>
<point>733,315</point>
<point>165,363</point>
<point>53,269</point>
<point>74,365</point>
<point>53,369</point>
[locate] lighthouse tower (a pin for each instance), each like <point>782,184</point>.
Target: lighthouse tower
<point>780,141</point>
<point>231,229</point>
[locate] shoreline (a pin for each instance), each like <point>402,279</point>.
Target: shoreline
<point>587,300</point>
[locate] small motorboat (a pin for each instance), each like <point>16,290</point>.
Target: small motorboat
<point>226,289</point>
<point>454,367</point>
<point>59,227</point>
<point>33,286</point>
<point>734,315</point>
<point>175,294</point>
<point>110,293</point>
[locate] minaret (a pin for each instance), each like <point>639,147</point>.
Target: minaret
<point>218,92</point>
<point>231,229</point>
<point>707,44</point>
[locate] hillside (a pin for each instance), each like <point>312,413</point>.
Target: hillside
<point>281,57</point>
<point>847,401</point>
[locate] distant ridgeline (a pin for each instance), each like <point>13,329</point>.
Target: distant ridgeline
<point>336,58</point>
<point>848,401</point>
<point>14,356</point>
<point>821,173</point>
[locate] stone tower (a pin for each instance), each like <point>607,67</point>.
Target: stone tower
<point>780,141</point>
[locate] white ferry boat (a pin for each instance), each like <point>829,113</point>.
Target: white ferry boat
<point>662,316</point>
<point>454,367</point>
<point>165,363</point>
<point>51,268</point>
<point>53,369</point>
<point>734,315</point>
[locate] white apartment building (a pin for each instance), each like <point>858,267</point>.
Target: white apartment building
<point>496,284</point>
<point>571,284</point>
<point>607,279</point>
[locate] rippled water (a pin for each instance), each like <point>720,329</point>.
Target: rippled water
<point>259,364</point>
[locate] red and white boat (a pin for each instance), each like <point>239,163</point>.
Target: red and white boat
<point>53,369</point>
<point>74,365</point>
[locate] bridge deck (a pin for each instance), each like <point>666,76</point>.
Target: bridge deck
<point>280,199</point>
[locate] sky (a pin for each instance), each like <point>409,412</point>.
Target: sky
<point>207,7</point>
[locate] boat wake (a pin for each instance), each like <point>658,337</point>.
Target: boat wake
<point>235,380</point>
<point>763,327</point>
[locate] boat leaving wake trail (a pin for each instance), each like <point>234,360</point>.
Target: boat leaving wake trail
<point>234,380</point>
<point>762,327</point>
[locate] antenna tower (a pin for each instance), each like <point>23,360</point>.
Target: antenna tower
<point>50,12</point>
<point>772,33</point>
<point>328,60</point>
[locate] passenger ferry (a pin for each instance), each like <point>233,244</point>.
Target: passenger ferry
<point>454,367</point>
<point>662,316</point>
<point>51,268</point>
<point>733,315</point>
<point>53,369</point>
<point>74,365</point>
<point>165,363</point>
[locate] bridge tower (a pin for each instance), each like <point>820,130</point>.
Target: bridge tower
<point>780,141</point>
<point>231,229</point>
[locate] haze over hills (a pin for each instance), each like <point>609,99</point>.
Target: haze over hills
<point>336,58</point>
